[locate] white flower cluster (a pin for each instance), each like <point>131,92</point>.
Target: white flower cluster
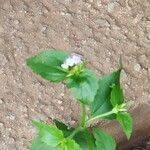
<point>74,59</point>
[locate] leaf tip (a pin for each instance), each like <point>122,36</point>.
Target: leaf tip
<point>129,135</point>
<point>35,122</point>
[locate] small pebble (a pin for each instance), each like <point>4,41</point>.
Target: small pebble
<point>62,108</point>
<point>110,7</point>
<point>45,11</point>
<point>59,102</point>
<point>16,22</point>
<point>23,109</point>
<point>11,117</point>
<point>1,101</point>
<point>137,67</point>
<point>143,60</point>
<point>11,140</point>
<point>62,94</point>
<point>102,23</point>
<point>72,122</point>
<point>1,124</point>
<point>3,60</point>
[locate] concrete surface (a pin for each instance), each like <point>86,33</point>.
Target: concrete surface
<point>100,30</point>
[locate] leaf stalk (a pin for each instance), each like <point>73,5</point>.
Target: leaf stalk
<point>99,116</point>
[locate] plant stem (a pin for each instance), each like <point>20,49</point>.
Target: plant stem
<point>99,116</point>
<point>82,121</point>
<point>75,132</point>
<point>83,115</point>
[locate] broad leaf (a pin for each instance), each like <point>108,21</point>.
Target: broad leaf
<point>50,135</point>
<point>103,140</point>
<point>116,95</point>
<point>102,102</point>
<point>126,123</point>
<point>37,144</point>
<point>48,65</point>
<point>85,139</point>
<point>69,144</point>
<point>84,86</point>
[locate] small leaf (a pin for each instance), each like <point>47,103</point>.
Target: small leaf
<point>126,123</point>
<point>48,65</point>
<point>69,144</point>
<point>104,141</point>
<point>102,102</point>
<point>50,135</point>
<point>84,86</point>
<point>117,97</point>
<point>37,144</point>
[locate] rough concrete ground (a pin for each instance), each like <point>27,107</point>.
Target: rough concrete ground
<point>100,30</point>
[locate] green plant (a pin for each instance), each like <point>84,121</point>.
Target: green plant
<point>104,97</point>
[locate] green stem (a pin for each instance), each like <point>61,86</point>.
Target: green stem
<point>83,115</point>
<point>75,132</point>
<point>99,116</point>
<point>82,121</point>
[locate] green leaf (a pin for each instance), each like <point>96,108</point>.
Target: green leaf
<point>50,135</point>
<point>103,140</point>
<point>102,102</point>
<point>69,144</point>
<point>37,144</point>
<point>84,86</point>
<point>84,138</point>
<point>48,65</point>
<point>126,123</point>
<point>117,97</point>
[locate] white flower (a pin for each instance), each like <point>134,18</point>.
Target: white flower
<point>74,59</point>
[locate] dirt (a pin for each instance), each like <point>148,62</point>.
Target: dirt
<point>100,30</point>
